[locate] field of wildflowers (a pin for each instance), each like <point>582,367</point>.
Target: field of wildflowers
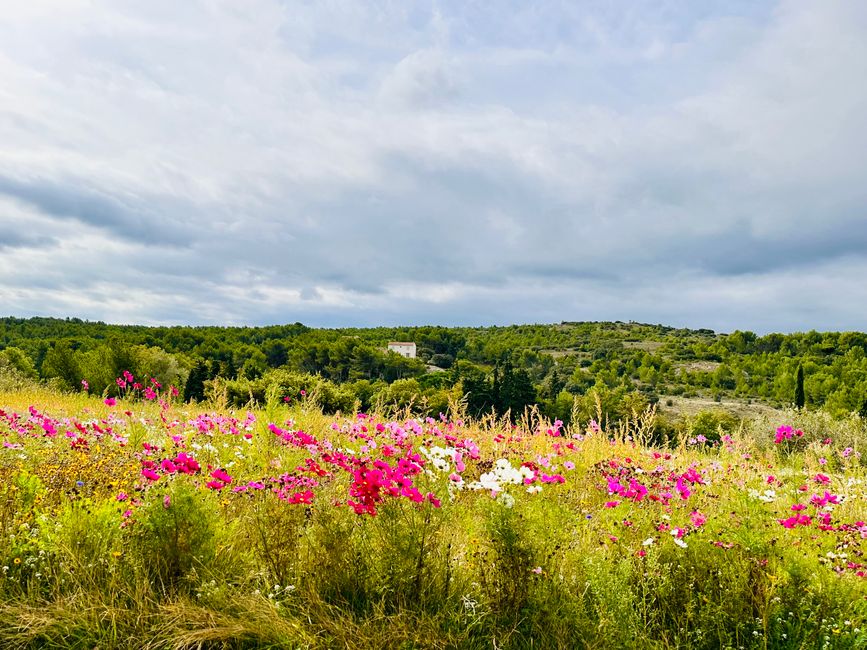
<point>144,522</point>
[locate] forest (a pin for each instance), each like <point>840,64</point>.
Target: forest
<point>565,369</point>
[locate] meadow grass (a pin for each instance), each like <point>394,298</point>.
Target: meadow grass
<point>152,524</point>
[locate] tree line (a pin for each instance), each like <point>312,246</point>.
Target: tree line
<point>560,368</point>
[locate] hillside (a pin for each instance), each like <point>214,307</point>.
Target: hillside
<point>625,365</point>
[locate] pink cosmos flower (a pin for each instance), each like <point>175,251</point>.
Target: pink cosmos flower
<point>221,475</point>
<point>795,521</point>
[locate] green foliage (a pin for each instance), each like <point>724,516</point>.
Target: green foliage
<point>62,363</point>
<point>511,558</point>
<point>534,364</point>
<point>295,386</point>
<point>712,425</point>
<point>194,388</point>
<point>174,537</point>
<point>506,390</point>
<point>15,360</point>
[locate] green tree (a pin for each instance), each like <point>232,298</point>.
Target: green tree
<point>195,386</point>
<point>16,360</point>
<point>799,388</point>
<point>516,391</point>
<point>60,362</point>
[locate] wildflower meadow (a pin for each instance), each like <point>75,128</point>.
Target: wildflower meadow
<point>144,522</point>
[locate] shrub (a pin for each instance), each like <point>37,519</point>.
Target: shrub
<point>173,537</point>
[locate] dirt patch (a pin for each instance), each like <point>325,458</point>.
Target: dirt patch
<point>699,366</point>
<point>688,406</point>
<point>649,346</point>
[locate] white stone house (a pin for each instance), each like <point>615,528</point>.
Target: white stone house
<point>404,349</point>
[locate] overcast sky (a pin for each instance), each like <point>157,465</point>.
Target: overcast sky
<point>469,162</point>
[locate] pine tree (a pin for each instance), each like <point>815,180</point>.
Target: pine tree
<point>195,386</point>
<point>496,391</point>
<point>516,391</point>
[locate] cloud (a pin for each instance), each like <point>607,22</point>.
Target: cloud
<point>423,79</point>
<point>368,163</point>
<point>128,217</point>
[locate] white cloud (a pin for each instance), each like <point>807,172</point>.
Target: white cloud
<point>370,162</point>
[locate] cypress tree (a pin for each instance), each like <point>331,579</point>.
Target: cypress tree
<point>799,388</point>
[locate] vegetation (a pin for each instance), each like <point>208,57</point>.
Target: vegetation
<point>564,369</point>
<point>130,522</point>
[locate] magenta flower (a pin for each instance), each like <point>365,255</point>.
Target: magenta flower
<point>221,475</point>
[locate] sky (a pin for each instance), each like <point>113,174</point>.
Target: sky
<point>699,164</point>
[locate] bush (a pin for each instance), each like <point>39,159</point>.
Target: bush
<point>711,424</point>
<point>173,537</point>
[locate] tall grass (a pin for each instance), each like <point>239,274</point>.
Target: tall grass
<point>96,555</point>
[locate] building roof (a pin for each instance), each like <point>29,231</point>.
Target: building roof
<point>401,343</point>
